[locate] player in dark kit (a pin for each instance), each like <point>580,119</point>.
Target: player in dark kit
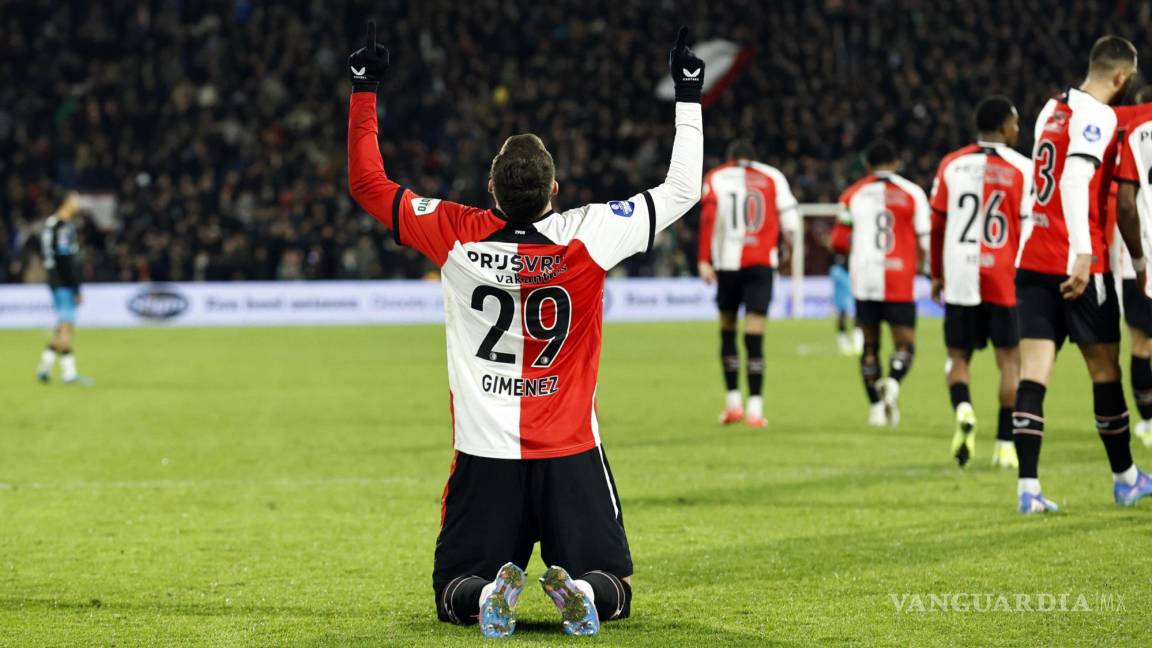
<point>59,249</point>
<point>523,300</point>
<point>1064,286</point>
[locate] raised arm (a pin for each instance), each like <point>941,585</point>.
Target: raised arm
<point>367,182</point>
<point>681,187</point>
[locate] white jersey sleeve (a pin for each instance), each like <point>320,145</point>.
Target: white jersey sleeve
<point>618,229</point>
<point>786,204</point>
<point>1091,128</point>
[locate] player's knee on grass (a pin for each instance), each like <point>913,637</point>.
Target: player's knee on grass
<point>612,595</point>
<point>458,600</point>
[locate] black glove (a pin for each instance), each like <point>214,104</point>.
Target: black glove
<point>687,69</point>
<point>369,63</point>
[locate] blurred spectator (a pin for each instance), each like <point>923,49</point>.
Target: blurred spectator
<point>218,125</point>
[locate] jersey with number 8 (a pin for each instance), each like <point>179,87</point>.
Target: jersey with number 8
<point>981,194</point>
<point>523,303</point>
<point>888,219</point>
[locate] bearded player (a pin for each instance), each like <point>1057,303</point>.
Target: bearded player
<point>523,299</point>
<point>883,227</point>
<point>981,195</point>
<point>1064,289</point>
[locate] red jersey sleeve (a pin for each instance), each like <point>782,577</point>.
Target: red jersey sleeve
<point>936,251</point>
<point>428,225</point>
<point>1126,167</point>
<point>707,222</point>
<point>939,200</point>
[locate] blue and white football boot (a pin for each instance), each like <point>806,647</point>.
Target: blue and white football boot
<point>577,613</point>
<point>498,607</point>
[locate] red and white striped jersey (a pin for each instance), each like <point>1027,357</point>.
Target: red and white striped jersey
<point>745,207</point>
<point>1135,167</point>
<point>883,226</point>
<point>980,196</point>
<point>523,303</point>
<point>1074,123</point>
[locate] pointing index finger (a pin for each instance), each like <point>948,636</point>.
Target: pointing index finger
<point>682,38</point>
<point>370,45</point>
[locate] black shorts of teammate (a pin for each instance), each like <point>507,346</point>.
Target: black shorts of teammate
<point>1091,318</point>
<point>871,313</point>
<point>1137,307</point>
<point>751,286</point>
<point>970,327</point>
<point>494,510</point>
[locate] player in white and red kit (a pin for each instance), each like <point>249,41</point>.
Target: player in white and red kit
<point>883,226</point>
<point>1134,209</point>
<point>980,197</point>
<point>747,220</point>
<point>1062,286</point>
<point>523,304</point>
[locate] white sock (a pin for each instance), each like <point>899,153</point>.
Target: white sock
<point>67,367</point>
<point>755,407</point>
<point>1028,485</point>
<point>1128,477</point>
<point>488,589</point>
<point>586,587</point>
<point>47,359</point>
<point>733,400</point>
<point>1004,444</point>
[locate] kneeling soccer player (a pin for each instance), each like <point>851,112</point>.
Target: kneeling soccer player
<point>523,300</point>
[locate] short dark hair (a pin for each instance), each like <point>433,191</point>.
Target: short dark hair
<point>741,150</point>
<point>880,152</point>
<point>991,113</point>
<point>1110,53</point>
<point>522,174</point>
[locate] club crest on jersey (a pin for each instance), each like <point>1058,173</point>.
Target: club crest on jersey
<point>622,208</point>
<point>1091,133</point>
<point>424,206</point>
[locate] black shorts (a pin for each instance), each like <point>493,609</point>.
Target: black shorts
<point>494,510</point>
<point>1137,307</point>
<point>751,286</point>
<point>1092,318</point>
<point>970,327</point>
<point>871,313</point>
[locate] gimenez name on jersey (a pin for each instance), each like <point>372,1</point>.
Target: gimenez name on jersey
<point>539,268</point>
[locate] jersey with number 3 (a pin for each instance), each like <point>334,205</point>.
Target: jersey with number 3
<point>523,303</point>
<point>979,197</point>
<point>1073,124</point>
<point>888,220</point>
<point>745,206</point>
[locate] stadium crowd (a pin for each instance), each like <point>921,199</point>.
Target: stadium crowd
<point>219,126</point>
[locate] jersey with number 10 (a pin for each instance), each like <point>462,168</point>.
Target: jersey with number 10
<point>884,221</point>
<point>744,208</point>
<point>523,303</point>
<point>981,194</point>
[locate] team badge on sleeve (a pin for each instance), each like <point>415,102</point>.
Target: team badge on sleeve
<point>622,207</point>
<point>1091,133</point>
<point>424,206</point>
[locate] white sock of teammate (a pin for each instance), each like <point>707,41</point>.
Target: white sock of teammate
<point>47,359</point>
<point>586,587</point>
<point>67,367</point>
<point>1028,485</point>
<point>755,407</point>
<point>733,401</point>
<point>1128,477</point>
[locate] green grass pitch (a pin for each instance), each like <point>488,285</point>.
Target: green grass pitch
<point>280,487</point>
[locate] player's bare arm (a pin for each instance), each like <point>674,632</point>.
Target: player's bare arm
<point>1128,221</point>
